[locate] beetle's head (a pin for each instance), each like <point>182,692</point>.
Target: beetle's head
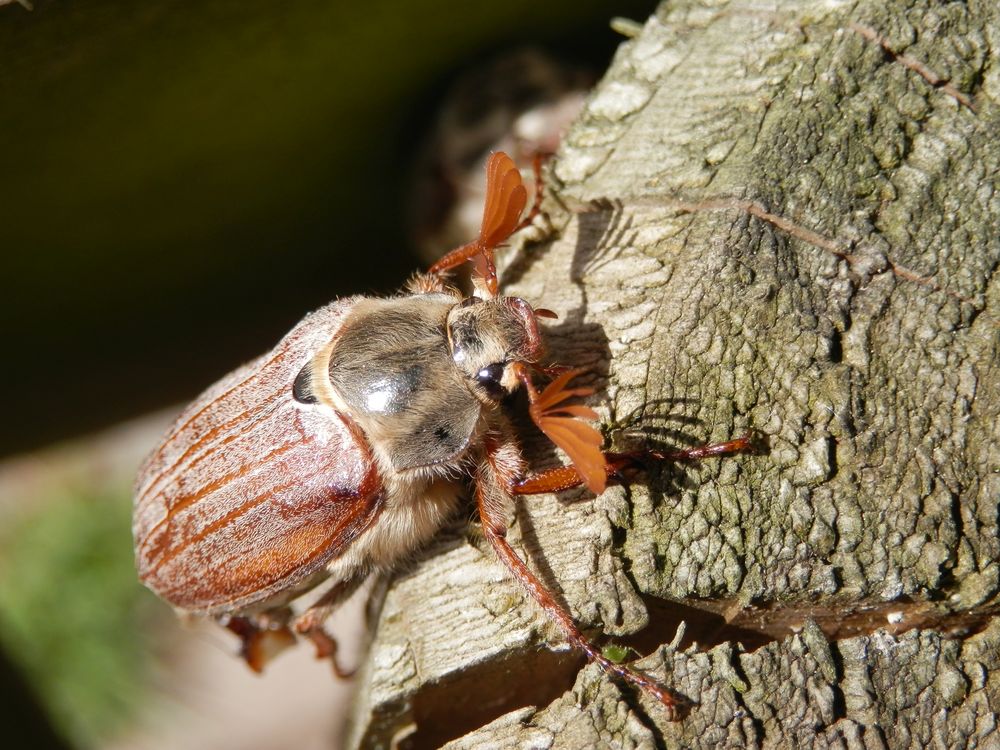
<point>487,336</point>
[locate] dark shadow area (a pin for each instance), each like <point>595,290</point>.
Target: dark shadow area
<point>703,627</point>
<point>711,622</point>
<point>449,709</point>
<point>24,720</point>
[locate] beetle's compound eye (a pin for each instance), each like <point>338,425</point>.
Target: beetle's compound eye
<point>489,378</point>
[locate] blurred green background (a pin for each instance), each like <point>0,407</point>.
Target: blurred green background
<point>179,183</point>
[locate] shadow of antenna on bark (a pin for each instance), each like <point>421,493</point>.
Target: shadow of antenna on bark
<point>602,225</point>
<point>605,230</point>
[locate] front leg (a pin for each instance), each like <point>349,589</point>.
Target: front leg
<point>496,475</point>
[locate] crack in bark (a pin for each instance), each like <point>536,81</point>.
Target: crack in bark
<point>705,625</point>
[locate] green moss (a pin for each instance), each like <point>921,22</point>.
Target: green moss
<point>616,652</point>
<point>71,612</point>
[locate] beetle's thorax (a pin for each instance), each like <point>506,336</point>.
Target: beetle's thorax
<point>408,372</point>
<point>416,373</point>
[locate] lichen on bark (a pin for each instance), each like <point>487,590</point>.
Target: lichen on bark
<point>779,219</point>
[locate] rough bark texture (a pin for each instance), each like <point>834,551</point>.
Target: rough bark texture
<point>777,217</point>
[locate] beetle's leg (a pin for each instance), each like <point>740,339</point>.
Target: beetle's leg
<point>262,637</point>
<point>492,498</point>
<point>310,623</point>
<point>567,477</point>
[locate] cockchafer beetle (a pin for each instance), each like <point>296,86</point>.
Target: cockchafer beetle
<point>346,447</point>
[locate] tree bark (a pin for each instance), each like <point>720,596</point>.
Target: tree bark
<point>782,220</point>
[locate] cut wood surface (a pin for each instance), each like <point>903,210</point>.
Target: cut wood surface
<point>777,217</point>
